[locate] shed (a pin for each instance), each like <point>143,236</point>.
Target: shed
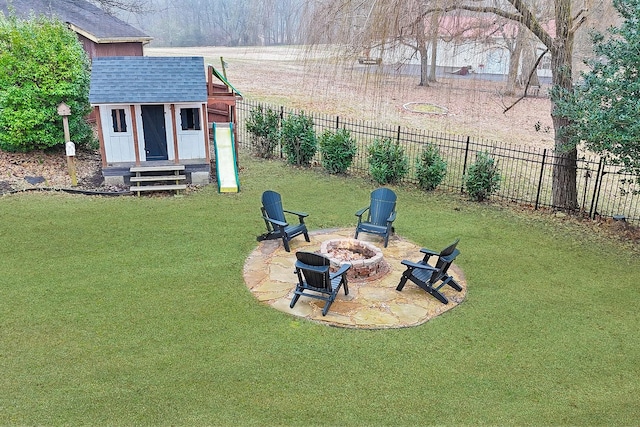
<point>151,111</point>
<point>100,33</point>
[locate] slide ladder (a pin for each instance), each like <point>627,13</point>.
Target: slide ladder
<point>226,164</point>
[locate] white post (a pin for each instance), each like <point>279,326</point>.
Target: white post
<point>70,147</point>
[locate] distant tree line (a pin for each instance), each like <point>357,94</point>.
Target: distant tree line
<point>221,22</point>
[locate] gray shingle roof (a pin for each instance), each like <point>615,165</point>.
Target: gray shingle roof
<point>81,14</point>
<point>147,79</point>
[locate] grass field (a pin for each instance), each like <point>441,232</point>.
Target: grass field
<point>133,311</point>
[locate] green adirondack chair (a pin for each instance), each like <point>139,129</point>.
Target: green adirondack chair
<point>380,214</point>
<point>432,278</point>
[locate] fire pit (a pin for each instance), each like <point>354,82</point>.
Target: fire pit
<point>367,262</point>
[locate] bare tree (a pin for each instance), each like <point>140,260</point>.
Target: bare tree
<point>221,22</point>
<point>387,23</point>
<point>529,61</point>
<point>113,6</point>
<point>433,40</point>
<point>515,50</point>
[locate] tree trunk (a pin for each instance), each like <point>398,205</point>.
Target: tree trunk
<point>424,65</point>
<point>433,39</point>
<point>529,58</point>
<point>565,193</point>
<point>421,40</point>
<point>514,62</point>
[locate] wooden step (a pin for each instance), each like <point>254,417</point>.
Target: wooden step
<point>152,178</point>
<point>158,168</point>
<point>157,178</point>
<point>172,187</point>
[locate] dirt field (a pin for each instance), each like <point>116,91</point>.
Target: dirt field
<point>318,82</point>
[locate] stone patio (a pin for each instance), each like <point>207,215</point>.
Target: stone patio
<point>375,304</point>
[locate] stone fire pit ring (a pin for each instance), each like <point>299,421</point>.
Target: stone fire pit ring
<point>367,261</point>
<point>371,304</point>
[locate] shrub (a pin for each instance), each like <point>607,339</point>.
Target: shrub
<point>299,141</point>
<point>42,64</point>
<point>430,168</point>
<point>482,178</point>
<point>262,124</point>
<point>387,162</point>
<point>337,149</point>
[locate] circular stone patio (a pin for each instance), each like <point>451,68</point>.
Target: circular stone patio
<point>269,275</point>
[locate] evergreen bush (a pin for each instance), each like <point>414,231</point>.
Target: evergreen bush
<point>42,64</point>
<point>299,141</point>
<point>430,168</point>
<point>388,163</point>
<point>263,125</point>
<point>482,178</point>
<point>338,149</point>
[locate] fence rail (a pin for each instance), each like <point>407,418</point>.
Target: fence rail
<point>603,191</point>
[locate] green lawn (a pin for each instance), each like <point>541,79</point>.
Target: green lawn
<point>133,311</point>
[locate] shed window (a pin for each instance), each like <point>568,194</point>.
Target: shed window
<point>119,120</point>
<point>190,118</point>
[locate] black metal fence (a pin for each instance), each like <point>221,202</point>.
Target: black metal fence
<point>526,172</point>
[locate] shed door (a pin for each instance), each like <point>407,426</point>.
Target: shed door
<point>155,134</point>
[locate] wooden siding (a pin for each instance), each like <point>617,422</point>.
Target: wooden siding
<point>94,49</point>
<point>129,146</point>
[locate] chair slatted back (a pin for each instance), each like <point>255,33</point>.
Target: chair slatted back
<point>315,269</point>
<point>383,203</point>
<point>272,205</point>
<point>449,249</point>
<point>446,257</point>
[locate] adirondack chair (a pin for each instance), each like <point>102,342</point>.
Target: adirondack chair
<point>314,276</point>
<point>427,276</point>
<point>276,222</point>
<point>380,214</point>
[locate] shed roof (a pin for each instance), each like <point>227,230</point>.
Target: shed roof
<point>82,16</point>
<point>147,79</point>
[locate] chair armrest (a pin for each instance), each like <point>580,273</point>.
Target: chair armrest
<point>392,217</point>
<point>343,269</point>
<point>418,265</point>
<point>300,214</point>
<point>428,251</point>
<point>318,268</point>
<point>362,211</point>
<point>275,222</point>
<point>428,254</point>
<point>450,258</point>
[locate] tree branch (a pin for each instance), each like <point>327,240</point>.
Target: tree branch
<point>524,16</point>
<point>578,21</point>
<point>526,88</point>
<point>136,6</point>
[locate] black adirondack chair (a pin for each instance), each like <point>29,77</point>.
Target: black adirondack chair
<point>316,281</point>
<point>276,222</point>
<point>380,214</point>
<point>427,276</point>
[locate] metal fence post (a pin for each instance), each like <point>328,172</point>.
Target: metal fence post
<point>544,156</point>
<point>464,165</point>
<point>281,119</point>
<point>596,189</point>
